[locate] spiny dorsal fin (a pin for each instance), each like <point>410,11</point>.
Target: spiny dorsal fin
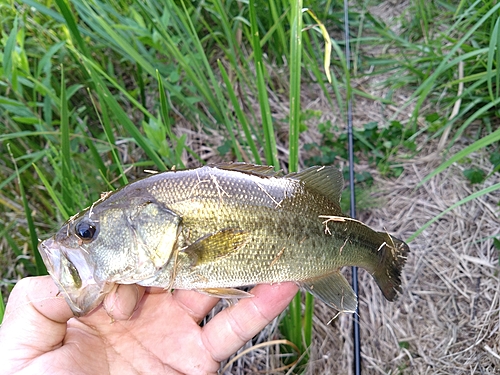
<point>217,245</point>
<point>327,181</point>
<point>252,169</point>
<point>334,290</point>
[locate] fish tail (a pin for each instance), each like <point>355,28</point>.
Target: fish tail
<point>392,257</point>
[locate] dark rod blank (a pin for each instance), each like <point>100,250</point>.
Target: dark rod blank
<point>356,335</point>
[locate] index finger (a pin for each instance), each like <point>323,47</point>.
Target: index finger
<point>232,328</point>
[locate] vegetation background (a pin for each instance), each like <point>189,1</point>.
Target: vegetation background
<point>92,93</point>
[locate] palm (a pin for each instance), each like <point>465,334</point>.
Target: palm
<point>162,336</point>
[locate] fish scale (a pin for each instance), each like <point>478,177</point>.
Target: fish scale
<point>220,227</point>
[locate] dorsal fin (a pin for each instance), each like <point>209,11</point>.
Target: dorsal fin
<point>252,169</point>
<point>327,181</point>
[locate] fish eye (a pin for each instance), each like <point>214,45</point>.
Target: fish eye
<point>85,230</point>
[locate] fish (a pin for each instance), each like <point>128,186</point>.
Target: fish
<point>217,228</point>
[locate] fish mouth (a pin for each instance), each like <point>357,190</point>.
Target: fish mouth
<point>71,271</point>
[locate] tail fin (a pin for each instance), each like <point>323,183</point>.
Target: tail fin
<point>387,274</point>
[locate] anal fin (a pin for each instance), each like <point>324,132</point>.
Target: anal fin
<point>334,290</point>
<point>225,292</point>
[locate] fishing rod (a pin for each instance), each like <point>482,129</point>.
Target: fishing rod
<point>350,140</point>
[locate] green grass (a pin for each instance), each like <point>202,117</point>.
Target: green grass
<point>77,78</point>
<point>2,306</point>
<point>93,92</point>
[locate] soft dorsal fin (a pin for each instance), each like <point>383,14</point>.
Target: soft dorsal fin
<point>327,181</point>
<point>252,169</point>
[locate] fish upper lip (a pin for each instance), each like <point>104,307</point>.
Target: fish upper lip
<point>81,300</point>
<point>47,251</point>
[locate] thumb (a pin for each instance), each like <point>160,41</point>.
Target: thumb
<point>34,321</point>
<point>123,301</point>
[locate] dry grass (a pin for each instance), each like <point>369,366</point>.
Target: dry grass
<point>448,314</point>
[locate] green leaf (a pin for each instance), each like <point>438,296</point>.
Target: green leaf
<point>495,160</point>
<point>474,175</point>
<point>225,147</point>
<point>404,345</point>
<point>496,243</point>
<point>432,117</point>
<point>372,125</point>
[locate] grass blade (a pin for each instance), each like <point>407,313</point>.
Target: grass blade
<point>270,148</point>
<point>308,320</point>
<point>426,87</point>
<point>40,266</point>
<point>239,113</point>
<point>106,125</point>
<point>7,53</point>
<point>108,99</point>
<point>164,112</point>
<point>52,193</point>
<point>295,76</point>
<point>481,143</point>
<point>475,195</point>
<point>300,330</point>
<point>279,27</point>
<point>164,119</point>
<point>72,26</point>
<point>494,55</point>
<point>2,307</point>
<point>67,177</point>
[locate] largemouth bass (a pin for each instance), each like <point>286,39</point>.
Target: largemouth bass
<point>219,227</point>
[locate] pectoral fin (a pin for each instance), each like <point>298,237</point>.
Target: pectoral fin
<point>217,245</point>
<point>225,293</point>
<point>334,290</point>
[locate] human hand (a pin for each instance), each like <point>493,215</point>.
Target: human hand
<point>151,332</point>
